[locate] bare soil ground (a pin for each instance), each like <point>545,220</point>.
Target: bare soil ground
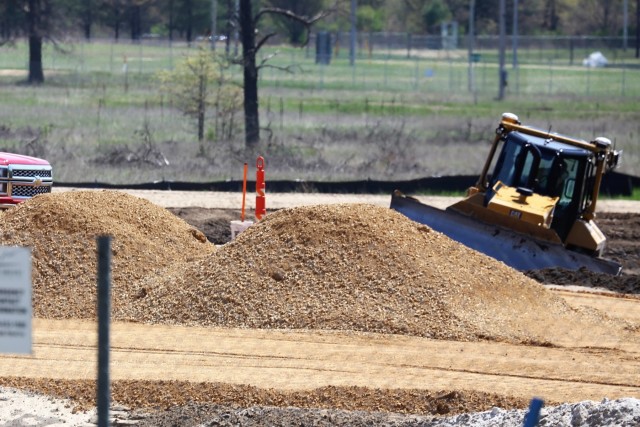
<point>180,374</point>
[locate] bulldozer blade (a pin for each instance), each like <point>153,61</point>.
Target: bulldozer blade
<point>519,251</point>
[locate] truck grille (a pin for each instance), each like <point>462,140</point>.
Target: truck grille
<point>42,173</point>
<point>22,182</point>
<point>28,191</point>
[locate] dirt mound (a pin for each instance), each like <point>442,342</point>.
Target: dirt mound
<point>355,267</point>
<point>61,229</point>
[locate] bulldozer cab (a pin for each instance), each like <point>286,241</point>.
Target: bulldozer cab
<point>548,168</point>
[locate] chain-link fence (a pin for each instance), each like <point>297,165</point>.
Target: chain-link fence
<point>589,66</point>
<point>391,62</point>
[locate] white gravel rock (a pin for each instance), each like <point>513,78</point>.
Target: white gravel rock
<point>607,413</point>
<point>20,408</point>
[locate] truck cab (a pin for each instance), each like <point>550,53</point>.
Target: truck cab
<point>22,177</point>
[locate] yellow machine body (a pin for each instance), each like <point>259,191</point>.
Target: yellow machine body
<point>537,209</point>
<point>533,209</point>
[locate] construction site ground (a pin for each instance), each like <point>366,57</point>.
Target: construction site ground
<point>161,367</point>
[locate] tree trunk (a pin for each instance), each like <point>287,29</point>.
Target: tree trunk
<point>116,12</point>
<point>251,117</point>
<point>36,75</point>
<point>88,19</point>
<point>231,30</point>
<point>189,13</point>
<point>10,18</point>
<point>202,95</point>
<point>171,24</point>
<point>136,16</point>
<point>201,128</point>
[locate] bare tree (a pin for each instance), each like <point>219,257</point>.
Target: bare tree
<point>199,82</point>
<point>250,46</point>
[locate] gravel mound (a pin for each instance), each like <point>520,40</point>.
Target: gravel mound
<point>61,229</point>
<point>355,267</point>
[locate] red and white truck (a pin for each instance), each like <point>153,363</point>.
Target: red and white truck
<point>22,177</point>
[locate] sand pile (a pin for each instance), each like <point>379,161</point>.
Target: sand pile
<point>61,229</point>
<point>354,267</point>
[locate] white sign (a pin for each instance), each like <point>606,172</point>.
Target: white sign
<point>15,300</point>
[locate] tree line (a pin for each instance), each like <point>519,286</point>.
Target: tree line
<point>190,19</point>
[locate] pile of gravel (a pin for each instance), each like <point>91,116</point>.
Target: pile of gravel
<point>61,229</point>
<point>357,267</point>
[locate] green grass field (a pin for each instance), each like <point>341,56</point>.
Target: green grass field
<point>388,117</point>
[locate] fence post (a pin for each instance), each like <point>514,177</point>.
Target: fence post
<point>140,57</point>
<point>104,309</point>
<point>588,88</point>
<point>571,51</point>
<point>550,75</point>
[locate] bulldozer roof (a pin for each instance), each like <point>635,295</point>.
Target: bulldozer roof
<point>549,143</point>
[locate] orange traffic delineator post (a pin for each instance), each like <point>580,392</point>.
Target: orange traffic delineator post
<point>244,190</point>
<point>238,227</point>
<point>261,209</point>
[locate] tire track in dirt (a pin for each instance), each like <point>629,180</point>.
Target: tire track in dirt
<point>300,360</point>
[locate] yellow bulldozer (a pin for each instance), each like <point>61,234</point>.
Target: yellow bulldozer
<point>537,208</point>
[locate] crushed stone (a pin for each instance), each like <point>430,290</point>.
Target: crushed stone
<point>356,267</point>
<point>61,230</point>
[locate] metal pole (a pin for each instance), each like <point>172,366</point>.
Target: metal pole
<point>502,43</point>
<point>637,28</point>
<point>236,36</point>
<point>104,310</point>
<point>514,41</point>
<point>352,36</point>
<point>214,19</point>
<point>471,35</point>
<point>625,25</point>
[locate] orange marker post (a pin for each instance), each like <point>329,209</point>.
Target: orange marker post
<point>261,209</point>
<point>244,190</point>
